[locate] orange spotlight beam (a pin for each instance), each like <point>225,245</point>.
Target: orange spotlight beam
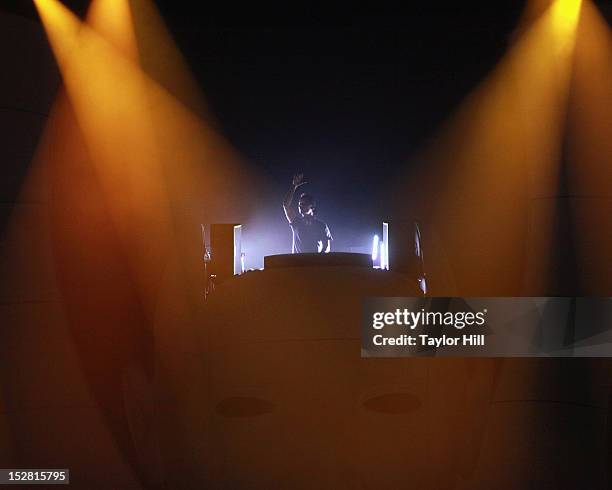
<point>497,152</point>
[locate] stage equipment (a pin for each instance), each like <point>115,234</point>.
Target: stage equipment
<point>406,252</point>
<point>225,251</point>
<point>332,259</point>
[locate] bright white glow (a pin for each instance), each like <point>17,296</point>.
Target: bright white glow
<point>384,250</point>
<point>375,242</point>
<point>238,255</point>
<point>423,285</point>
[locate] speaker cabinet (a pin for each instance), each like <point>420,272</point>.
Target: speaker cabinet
<point>225,251</point>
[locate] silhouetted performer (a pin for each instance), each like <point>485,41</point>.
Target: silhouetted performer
<point>309,233</point>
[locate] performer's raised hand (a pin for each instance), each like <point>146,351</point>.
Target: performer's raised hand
<point>298,180</point>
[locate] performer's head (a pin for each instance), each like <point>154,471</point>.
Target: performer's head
<point>306,205</point>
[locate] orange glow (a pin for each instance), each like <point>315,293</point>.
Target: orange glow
<point>477,181</point>
<point>589,166</point>
<point>565,15</point>
<point>163,171</point>
<point>112,19</point>
<point>60,23</point>
<point>136,28</point>
<point>162,60</point>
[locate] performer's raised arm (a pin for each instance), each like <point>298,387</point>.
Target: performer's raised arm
<point>298,180</point>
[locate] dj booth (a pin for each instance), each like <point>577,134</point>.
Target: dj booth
<point>333,259</point>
